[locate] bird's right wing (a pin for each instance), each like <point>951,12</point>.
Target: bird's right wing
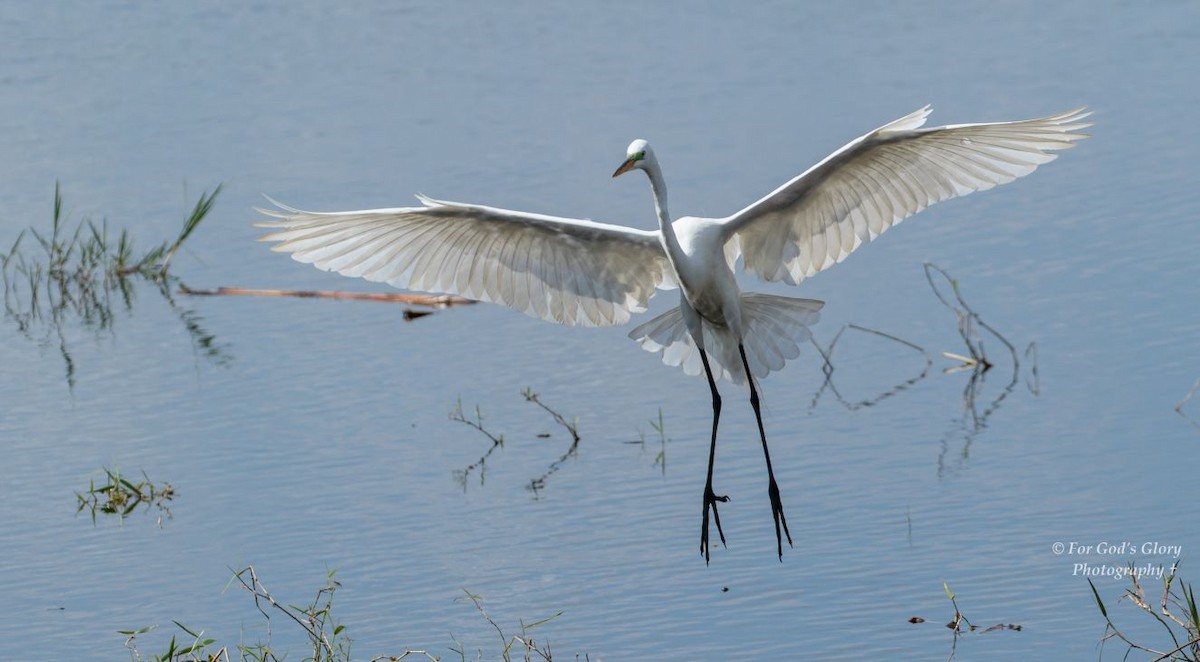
<point>558,269</point>
<point>878,180</point>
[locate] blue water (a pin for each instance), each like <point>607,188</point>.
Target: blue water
<point>320,439</point>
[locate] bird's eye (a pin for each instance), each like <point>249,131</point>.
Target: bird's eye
<point>639,156</point>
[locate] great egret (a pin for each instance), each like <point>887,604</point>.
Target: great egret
<point>574,271</point>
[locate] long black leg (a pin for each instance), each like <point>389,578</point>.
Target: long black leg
<point>773,488</point>
<point>710,498</point>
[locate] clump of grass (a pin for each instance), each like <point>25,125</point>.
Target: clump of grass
<point>328,639</point>
<point>1176,612</point>
<point>121,497</point>
<point>85,273</point>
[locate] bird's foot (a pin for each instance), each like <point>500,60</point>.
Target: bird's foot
<point>777,513</point>
<point>710,501</point>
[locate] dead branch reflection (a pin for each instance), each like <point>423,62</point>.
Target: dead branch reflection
<point>828,369</point>
<point>976,408</point>
<point>535,485</point>
<point>1179,405</point>
<point>462,475</point>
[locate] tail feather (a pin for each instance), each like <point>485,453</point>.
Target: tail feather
<point>774,328</point>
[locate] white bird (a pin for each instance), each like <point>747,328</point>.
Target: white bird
<point>574,271</point>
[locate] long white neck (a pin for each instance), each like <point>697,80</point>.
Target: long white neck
<point>659,187</point>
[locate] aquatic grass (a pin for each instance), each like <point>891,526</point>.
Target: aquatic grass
<point>960,625</point>
<point>1176,613</point>
<point>82,275</point>
<point>660,460</point>
<point>121,497</point>
<point>328,638</point>
<point>521,643</point>
<point>659,427</point>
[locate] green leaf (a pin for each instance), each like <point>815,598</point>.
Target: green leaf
<point>1099,602</point>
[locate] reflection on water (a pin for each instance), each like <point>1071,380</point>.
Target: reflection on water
<point>535,485</point>
<point>977,362</point>
<point>978,404</point>
<point>975,415</point>
<point>480,465</point>
<point>81,275</point>
<point>1179,406</point>
<point>827,367</point>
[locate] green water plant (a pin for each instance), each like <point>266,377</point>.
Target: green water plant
<point>1175,611</point>
<point>327,638</point>
<point>120,496</point>
<point>83,274</point>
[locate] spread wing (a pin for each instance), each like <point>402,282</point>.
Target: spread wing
<point>878,180</point>
<point>559,269</point>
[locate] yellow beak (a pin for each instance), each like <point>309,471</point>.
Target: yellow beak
<point>625,167</point>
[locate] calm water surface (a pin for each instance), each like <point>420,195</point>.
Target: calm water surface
<point>322,441</point>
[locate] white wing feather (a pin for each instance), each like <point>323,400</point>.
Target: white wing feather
<point>775,327</point>
<point>558,269</point>
<point>878,180</point>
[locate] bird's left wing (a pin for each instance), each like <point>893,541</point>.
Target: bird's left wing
<point>558,269</point>
<point>878,180</point>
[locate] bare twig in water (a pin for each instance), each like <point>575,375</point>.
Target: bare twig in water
<point>428,300</point>
<point>968,319</point>
<point>538,483</point>
<point>977,362</point>
<point>535,485</point>
<point>572,427</point>
<point>461,475</point>
<point>1179,405</point>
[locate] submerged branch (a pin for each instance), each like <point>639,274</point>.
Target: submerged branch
<point>429,300</point>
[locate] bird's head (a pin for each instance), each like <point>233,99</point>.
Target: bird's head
<point>638,155</point>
